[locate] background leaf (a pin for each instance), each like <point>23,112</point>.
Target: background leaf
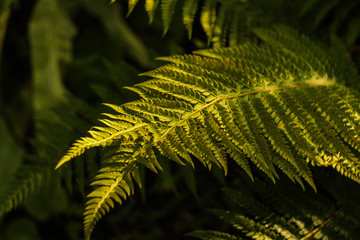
<point>4,5</point>
<point>10,158</point>
<point>50,35</point>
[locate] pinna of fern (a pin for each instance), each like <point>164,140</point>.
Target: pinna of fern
<point>278,105</point>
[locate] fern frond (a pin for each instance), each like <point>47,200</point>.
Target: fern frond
<point>222,26</point>
<point>132,4</point>
<point>208,17</point>
<point>189,11</point>
<point>263,211</point>
<point>277,107</point>
<point>168,8</point>
<point>150,7</point>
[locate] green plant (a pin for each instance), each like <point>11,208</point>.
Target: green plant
<point>277,101</point>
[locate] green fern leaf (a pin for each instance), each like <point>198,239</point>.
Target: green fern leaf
<point>168,8</point>
<point>279,107</point>
<point>150,7</point>
<point>208,17</point>
<point>222,25</point>
<point>189,11</point>
<point>131,6</point>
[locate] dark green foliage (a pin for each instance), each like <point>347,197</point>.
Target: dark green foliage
<point>227,22</point>
<point>51,140</point>
<point>260,210</point>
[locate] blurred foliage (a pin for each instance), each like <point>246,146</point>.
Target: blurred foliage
<point>61,59</point>
<point>50,35</point>
<point>227,22</point>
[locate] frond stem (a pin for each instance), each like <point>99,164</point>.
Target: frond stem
<point>327,221</point>
<point>238,95</point>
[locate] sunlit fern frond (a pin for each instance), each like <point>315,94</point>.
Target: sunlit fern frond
<point>268,105</point>
<point>262,211</point>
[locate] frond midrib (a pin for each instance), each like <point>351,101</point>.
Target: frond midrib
<point>315,82</point>
<point>119,179</point>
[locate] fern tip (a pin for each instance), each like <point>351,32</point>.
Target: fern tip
<point>165,32</point>
<point>144,74</point>
<point>58,166</point>
<point>60,163</point>
<point>166,59</point>
<point>313,186</point>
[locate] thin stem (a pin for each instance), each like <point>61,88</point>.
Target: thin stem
<point>238,95</point>
<point>327,221</point>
